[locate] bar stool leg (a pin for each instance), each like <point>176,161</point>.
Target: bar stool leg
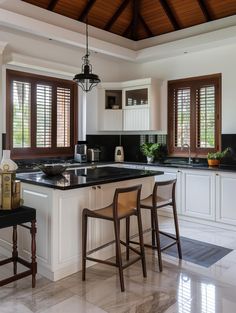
<point>118,254</point>
<point>84,244</point>
<point>177,230</point>
<point>153,231</point>
<point>158,244</point>
<point>14,252</point>
<point>141,243</point>
<point>33,252</point>
<point>127,237</point>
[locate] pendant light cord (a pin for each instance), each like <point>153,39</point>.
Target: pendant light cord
<point>87,52</point>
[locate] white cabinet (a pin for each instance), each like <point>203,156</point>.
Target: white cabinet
<point>109,119</point>
<point>129,106</point>
<point>198,194</point>
<point>141,105</point>
<point>136,119</point>
<point>226,198</point>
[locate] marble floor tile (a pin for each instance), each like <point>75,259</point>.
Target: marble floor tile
<point>74,304</point>
<point>13,307</point>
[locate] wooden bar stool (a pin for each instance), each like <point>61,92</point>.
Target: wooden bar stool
<point>126,202</point>
<point>12,219</point>
<point>163,195</point>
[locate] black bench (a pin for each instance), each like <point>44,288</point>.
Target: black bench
<point>13,218</point>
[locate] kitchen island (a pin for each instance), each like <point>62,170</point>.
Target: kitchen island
<point>59,202</point>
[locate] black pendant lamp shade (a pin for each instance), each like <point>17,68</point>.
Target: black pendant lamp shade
<point>86,79</point>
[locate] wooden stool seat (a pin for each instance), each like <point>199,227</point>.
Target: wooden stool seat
<point>148,202</point>
<point>107,213</point>
<point>126,202</point>
<point>13,218</point>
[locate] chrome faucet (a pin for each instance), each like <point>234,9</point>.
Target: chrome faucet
<point>189,156</point>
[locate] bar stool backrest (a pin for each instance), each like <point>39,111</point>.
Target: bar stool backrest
<point>126,200</point>
<point>164,191</point>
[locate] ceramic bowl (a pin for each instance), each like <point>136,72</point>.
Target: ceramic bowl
<point>52,169</point>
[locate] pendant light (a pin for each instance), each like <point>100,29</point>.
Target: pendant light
<point>86,79</point>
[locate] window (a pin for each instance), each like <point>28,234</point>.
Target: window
<point>41,115</point>
<point>194,115</point>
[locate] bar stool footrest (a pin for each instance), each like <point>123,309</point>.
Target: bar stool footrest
<point>15,277</point>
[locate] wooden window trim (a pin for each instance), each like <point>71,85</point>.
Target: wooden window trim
<point>33,152</point>
<point>193,83</point>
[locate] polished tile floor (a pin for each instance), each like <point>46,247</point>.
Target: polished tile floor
<point>182,287</point>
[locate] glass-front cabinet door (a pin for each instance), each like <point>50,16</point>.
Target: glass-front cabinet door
<point>135,97</point>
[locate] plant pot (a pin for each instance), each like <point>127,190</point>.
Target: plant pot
<point>213,162</point>
<point>150,159</point>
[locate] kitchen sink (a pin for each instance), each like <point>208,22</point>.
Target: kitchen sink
<point>185,164</point>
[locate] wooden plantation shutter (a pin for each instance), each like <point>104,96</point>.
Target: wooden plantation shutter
<point>21,114</point>
<point>41,115</point>
<point>194,115</point>
<point>205,101</point>
<point>182,116</point>
<point>63,117</point>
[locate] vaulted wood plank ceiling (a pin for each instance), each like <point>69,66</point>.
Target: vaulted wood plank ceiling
<point>140,19</point>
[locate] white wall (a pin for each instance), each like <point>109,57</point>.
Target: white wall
<point>30,53</point>
<point>217,60</point>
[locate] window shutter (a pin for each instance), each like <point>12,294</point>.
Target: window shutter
<point>43,116</point>
<point>21,114</point>
<point>205,102</point>
<point>181,117</point>
<point>63,117</point>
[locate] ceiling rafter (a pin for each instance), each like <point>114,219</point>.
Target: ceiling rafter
<point>170,14</point>
<point>52,5</point>
<point>86,10</point>
<point>127,30</point>
<point>146,27</point>
<point>116,14</point>
<point>134,23</point>
<point>205,10</point>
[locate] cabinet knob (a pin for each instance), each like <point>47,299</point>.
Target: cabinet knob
<point>99,187</point>
<point>93,187</point>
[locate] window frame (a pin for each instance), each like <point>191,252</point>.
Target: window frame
<point>194,83</point>
<point>33,151</point>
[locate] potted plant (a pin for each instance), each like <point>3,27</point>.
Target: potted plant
<point>214,158</point>
<point>149,150</point>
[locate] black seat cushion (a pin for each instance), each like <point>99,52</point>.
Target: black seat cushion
<point>18,216</point>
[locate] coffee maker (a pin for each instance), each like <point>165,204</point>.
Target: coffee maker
<point>81,152</point>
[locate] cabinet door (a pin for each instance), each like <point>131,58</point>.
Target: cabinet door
<point>136,119</point>
<point>112,120</point>
<point>226,198</point>
<point>108,119</point>
<point>198,194</point>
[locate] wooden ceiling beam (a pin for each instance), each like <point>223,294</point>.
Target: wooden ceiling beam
<point>86,10</point>
<point>134,24</point>
<point>170,14</point>
<point>146,27</point>
<point>127,30</point>
<point>205,10</point>
<point>52,5</point>
<point>116,14</point>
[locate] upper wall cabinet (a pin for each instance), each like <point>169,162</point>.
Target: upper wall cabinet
<point>129,106</point>
<point>109,107</point>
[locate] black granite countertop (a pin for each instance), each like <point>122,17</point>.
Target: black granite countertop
<point>78,178</point>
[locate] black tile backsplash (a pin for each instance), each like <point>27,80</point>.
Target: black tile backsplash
<point>228,140</point>
<point>130,143</point>
<point>106,144</point>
